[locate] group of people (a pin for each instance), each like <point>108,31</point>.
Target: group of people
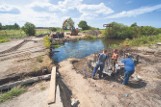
<point>129,65</point>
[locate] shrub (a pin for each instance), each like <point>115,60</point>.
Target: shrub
<point>29,29</point>
<point>47,42</point>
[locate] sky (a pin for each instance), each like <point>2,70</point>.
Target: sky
<point>52,13</point>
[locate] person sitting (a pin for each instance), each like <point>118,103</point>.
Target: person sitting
<point>102,58</point>
<point>129,68</point>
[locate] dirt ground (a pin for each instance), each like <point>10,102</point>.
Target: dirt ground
<point>143,89</point>
<point>30,55</point>
<point>23,56</point>
<point>18,59</point>
<point>36,96</point>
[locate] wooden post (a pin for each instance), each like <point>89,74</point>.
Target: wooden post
<point>52,89</point>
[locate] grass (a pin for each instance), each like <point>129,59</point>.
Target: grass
<point>42,31</point>
<point>143,40</point>
<point>47,42</point>
<point>57,46</point>
<point>90,37</point>
<point>7,35</point>
<point>39,59</point>
<point>11,94</point>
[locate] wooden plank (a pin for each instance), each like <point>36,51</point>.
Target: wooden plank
<point>24,82</point>
<point>52,88</point>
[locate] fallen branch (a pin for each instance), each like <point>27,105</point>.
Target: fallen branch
<point>24,82</point>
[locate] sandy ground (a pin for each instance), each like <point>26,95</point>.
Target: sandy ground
<point>22,59</point>
<point>36,96</point>
<point>29,57</point>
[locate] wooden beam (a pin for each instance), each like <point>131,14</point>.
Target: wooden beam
<point>52,89</point>
<point>24,82</point>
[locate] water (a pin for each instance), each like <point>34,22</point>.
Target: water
<point>79,49</point>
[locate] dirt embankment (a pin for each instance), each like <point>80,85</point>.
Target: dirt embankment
<point>143,89</point>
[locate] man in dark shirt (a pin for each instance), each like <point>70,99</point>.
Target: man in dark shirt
<point>102,57</point>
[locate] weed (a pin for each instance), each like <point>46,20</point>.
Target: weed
<point>39,59</point>
<point>47,42</point>
<point>16,91</point>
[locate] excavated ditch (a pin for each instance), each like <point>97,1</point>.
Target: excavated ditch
<point>21,76</point>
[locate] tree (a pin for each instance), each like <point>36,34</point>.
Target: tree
<point>83,24</point>
<point>53,29</point>
<point>16,26</point>
<point>134,25</point>
<point>29,28</point>
<point>0,26</point>
<point>68,24</point>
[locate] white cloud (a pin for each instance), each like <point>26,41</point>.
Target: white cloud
<point>86,10</point>
<point>135,12</point>
<point>44,13</point>
<point>8,9</point>
<point>92,11</point>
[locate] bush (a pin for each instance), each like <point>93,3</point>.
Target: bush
<point>83,24</point>
<point>120,31</point>
<point>29,29</point>
<point>47,42</point>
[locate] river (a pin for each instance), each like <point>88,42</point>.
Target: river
<point>81,48</point>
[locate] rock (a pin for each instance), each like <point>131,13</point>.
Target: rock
<point>126,95</point>
<point>137,78</point>
<point>74,102</point>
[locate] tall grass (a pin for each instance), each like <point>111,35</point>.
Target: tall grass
<point>143,40</point>
<point>7,35</point>
<point>11,94</point>
<point>42,31</point>
<point>47,42</point>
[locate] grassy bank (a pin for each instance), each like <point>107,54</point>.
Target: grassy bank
<point>46,42</point>
<point>143,40</point>
<point>11,94</point>
<point>7,35</point>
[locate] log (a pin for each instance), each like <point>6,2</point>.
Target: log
<point>24,82</point>
<point>52,89</point>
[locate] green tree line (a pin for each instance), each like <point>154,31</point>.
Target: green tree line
<point>121,31</point>
<point>9,27</point>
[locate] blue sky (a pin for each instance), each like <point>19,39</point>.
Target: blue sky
<point>96,12</point>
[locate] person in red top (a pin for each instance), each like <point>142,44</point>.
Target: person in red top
<point>114,59</point>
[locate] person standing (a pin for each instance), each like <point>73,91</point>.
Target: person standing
<point>129,68</point>
<point>102,58</point>
<point>114,59</point>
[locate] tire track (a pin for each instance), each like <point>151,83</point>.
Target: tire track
<point>14,48</point>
